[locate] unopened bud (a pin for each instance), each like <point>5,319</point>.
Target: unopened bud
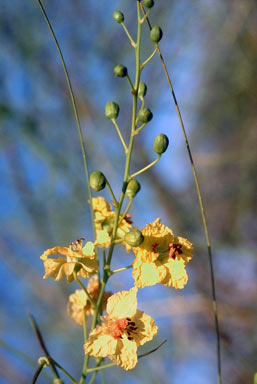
<point>112,110</point>
<point>156,34</point>
<point>145,115</point>
<point>149,3</point>
<point>118,17</point>
<point>97,181</point>
<point>161,143</point>
<point>134,238</point>
<point>142,89</point>
<point>120,71</point>
<point>133,188</point>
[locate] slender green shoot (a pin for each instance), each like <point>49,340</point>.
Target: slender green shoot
<point>145,168</point>
<point>132,42</point>
<point>84,289</point>
<point>120,136</point>
<point>74,105</point>
<point>139,129</point>
<point>120,269</point>
<point>149,59</point>
<point>111,192</point>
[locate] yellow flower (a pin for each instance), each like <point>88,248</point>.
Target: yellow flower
<point>104,222</point>
<point>79,305</point>
<point>161,257</point>
<point>122,330</point>
<point>77,258</point>
<point>101,208</point>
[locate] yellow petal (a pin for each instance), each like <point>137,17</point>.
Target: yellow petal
<point>126,354</point>
<point>100,344</point>
<point>102,239</point>
<point>147,274</point>
<point>177,275</point>
<point>88,268</point>
<point>52,267</point>
<point>89,249</point>
<point>55,250</point>
<point>146,328</point>
<point>79,306</point>
<point>187,249</point>
<point>122,304</point>
<point>69,268</point>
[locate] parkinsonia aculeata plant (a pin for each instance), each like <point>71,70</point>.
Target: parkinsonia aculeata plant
<point>160,257</point>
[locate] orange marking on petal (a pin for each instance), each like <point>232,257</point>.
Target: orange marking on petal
<point>117,327</point>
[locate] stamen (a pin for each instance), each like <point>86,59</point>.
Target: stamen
<point>154,246</point>
<point>175,250</point>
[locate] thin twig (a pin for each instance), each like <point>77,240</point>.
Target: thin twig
<point>42,343</point>
<point>214,301</point>
<point>37,373</point>
<point>153,350</point>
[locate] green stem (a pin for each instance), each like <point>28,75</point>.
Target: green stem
<point>140,128</point>
<point>126,211</point>
<point>111,192</point>
<point>120,269</point>
<point>129,36</point>
<point>125,183</point>
<point>145,168</point>
<point>148,59</point>
<point>42,343</point>
<point>37,373</point>
<point>101,367</point>
<point>120,135</point>
<point>85,327</point>
<point>103,376</point>
<point>84,289</point>
<point>130,83</point>
<point>48,360</point>
<point>145,16</point>
<point>207,237</point>
<point>74,105</point>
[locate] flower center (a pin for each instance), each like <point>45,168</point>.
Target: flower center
<point>118,327</point>
<point>174,250</point>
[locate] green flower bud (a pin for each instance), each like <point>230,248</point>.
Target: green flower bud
<point>156,34</point>
<point>120,71</point>
<point>97,181</point>
<point>145,115</point>
<point>142,89</point>
<point>118,17</point>
<point>133,188</point>
<point>134,238</point>
<point>161,143</point>
<point>112,110</point>
<point>149,3</point>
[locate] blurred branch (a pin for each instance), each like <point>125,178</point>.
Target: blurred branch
<point>42,345</point>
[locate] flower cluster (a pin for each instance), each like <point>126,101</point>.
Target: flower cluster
<point>160,258</point>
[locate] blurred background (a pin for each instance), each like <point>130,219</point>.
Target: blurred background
<point>210,50</point>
